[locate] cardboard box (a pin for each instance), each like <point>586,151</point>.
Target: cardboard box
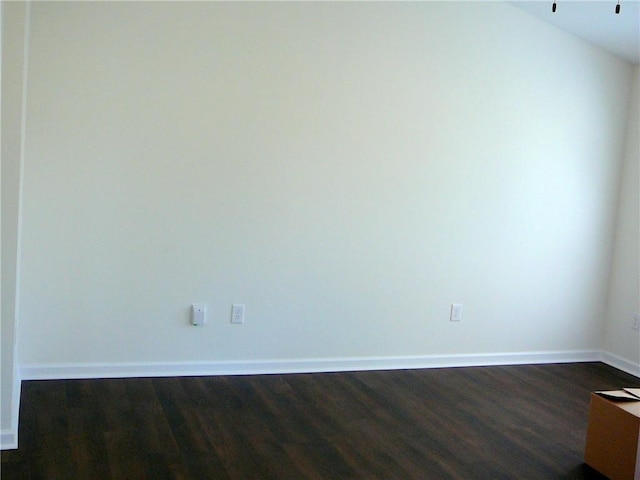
<point>613,438</point>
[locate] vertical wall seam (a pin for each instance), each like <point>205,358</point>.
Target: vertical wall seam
<point>17,381</point>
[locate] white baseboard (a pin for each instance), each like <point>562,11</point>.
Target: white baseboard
<point>256,367</point>
<point>621,363</point>
<point>8,439</point>
<point>9,436</point>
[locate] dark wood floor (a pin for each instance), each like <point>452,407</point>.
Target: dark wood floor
<point>513,422</point>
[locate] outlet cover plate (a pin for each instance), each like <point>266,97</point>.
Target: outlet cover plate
<point>237,313</point>
<point>456,312</point>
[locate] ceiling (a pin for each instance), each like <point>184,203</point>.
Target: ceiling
<point>595,22</point>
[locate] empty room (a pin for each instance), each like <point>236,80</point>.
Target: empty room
<point>318,240</point>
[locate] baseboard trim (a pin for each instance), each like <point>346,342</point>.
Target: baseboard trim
<point>621,363</point>
<point>9,436</point>
<point>259,367</point>
<point>8,439</point>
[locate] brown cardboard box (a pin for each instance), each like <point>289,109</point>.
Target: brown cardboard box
<point>613,438</point>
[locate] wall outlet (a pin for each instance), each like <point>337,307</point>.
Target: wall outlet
<point>198,314</point>
<point>237,314</point>
<point>635,323</point>
<point>456,312</point>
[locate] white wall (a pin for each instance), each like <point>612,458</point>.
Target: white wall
<point>13,21</point>
<point>624,297</point>
<point>347,171</point>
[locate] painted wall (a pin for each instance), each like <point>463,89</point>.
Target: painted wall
<point>624,299</point>
<point>346,171</point>
<point>13,21</point>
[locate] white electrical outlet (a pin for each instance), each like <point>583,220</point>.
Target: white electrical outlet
<point>635,325</point>
<point>198,314</point>
<point>456,312</point>
<point>237,314</point>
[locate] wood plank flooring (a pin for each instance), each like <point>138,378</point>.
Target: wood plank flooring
<point>509,422</point>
